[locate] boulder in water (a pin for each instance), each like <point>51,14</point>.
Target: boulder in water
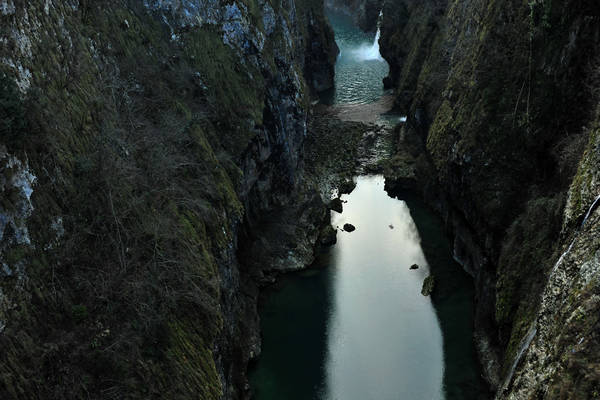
<point>349,228</point>
<point>414,266</point>
<point>336,205</point>
<point>428,285</point>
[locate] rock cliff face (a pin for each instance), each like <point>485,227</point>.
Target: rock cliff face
<point>138,141</point>
<point>364,12</point>
<point>503,98</point>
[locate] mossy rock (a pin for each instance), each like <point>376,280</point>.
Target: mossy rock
<point>327,237</point>
<point>428,285</point>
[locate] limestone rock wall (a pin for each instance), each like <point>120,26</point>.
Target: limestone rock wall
<point>138,141</point>
<point>503,97</point>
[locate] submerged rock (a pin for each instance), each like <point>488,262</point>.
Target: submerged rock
<point>414,266</point>
<point>349,228</point>
<point>428,285</point>
<point>336,205</point>
<point>327,237</point>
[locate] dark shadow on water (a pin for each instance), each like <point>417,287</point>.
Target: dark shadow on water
<point>305,299</point>
<point>453,299</point>
<point>327,97</point>
<point>295,314</point>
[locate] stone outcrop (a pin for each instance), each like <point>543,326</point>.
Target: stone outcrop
<point>428,285</point>
<point>364,12</point>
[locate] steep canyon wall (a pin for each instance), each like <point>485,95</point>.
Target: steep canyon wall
<point>139,141</point>
<point>502,97</point>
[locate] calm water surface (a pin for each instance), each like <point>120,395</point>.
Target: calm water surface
<point>356,326</point>
<point>383,337</point>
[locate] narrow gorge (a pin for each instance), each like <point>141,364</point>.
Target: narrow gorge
<point>246,199</point>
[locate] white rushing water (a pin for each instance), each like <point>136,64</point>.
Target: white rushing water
<point>371,52</point>
<point>525,343</point>
<point>587,216</point>
<point>590,210</point>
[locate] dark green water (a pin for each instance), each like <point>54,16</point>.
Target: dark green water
<point>453,301</point>
<point>357,327</point>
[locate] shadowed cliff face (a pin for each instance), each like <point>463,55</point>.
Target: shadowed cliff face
<point>137,139</point>
<point>364,12</point>
<point>502,97</point>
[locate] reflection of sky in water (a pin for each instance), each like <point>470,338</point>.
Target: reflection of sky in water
<point>383,336</point>
<point>360,328</point>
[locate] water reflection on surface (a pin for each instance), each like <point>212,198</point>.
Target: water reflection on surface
<point>383,336</point>
<point>356,326</point>
<point>360,328</point>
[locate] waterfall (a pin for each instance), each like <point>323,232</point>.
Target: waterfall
<point>522,349</point>
<point>587,216</point>
<point>371,52</point>
<point>592,207</point>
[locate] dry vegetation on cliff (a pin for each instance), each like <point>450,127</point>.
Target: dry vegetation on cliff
<point>135,134</point>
